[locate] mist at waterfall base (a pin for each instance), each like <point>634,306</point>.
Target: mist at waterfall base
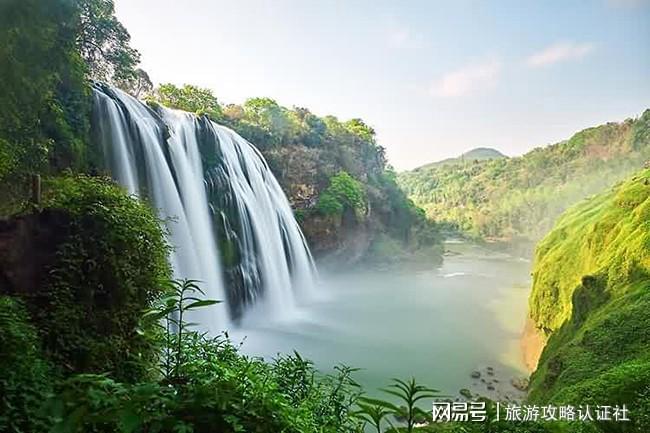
<point>230,225</point>
<point>437,325</point>
<point>232,228</point>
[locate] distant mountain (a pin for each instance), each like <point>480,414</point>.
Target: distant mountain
<point>520,197</point>
<point>478,154</point>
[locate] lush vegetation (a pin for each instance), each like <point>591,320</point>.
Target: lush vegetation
<point>85,318</point>
<point>325,166</point>
<point>42,92</point>
<point>82,348</point>
<point>25,377</point>
<point>344,192</point>
<point>102,342</point>
<point>94,336</point>
<point>520,198</point>
<point>49,50</point>
<point>591,296</point>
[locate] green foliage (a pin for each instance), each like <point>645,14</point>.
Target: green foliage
<point>520,198</point>
<point>103,43</point>
<point>7,159</point>
<point>303,149</point>
<point>169,315</point>
<point>409,393</point>
<point>47,51</point>
<point>591,295</point>
<point>600,246</point>
<point>472,156</point>
<point>274,120</point>
<point>109,268</point>
<point>343,192</point>
<point>25,378</point>
<point>373,413</point>
<point>43,92</point>
<point>359,128</point>
<point>210,387</point>
<point>328,204</point>
<point>189,98</point>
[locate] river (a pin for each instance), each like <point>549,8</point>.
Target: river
<point>438,325</point>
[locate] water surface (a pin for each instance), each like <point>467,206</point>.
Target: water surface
<point>437,324</point>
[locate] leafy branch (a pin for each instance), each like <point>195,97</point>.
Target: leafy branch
<point>169,315</point>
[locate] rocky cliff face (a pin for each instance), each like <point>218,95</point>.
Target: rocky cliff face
<point>27,247</point>
<point>304,173</point>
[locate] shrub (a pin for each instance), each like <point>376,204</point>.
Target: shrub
<point>25,378</point>
<point>343,192</point>
<point>207,386</point>
<point>108,268</point>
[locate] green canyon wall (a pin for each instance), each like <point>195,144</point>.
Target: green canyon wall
<point>590,299</point>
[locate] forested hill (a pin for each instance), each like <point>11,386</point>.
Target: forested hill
<point>477,154</point>
<point>520,198</point>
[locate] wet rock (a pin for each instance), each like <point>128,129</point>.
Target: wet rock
<point>490,387</point>
<point>520,383</point>
<point>465,393</point>
<point>475,374</point>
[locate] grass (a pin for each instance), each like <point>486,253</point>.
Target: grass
<point>591,295</point>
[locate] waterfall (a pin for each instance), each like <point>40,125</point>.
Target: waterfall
<point>229,222</point>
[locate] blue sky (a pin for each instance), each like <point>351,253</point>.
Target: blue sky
<point>434,78</point>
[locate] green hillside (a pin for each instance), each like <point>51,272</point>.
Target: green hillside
<point>511,198</point>
<point>478,154</point>
<point>591,295</point>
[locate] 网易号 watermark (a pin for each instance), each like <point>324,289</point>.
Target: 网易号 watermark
<point>476,411</point>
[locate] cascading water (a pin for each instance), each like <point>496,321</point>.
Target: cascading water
<point>229,222</point>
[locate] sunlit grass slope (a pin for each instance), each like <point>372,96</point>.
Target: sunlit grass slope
<point>591,295</point>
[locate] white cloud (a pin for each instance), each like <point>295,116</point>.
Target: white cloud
<point>468,79</point>
<point>558,53</point>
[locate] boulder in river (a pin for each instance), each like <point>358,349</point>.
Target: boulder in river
<point>520,383</point>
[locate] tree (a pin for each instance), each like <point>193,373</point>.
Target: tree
<point>359,128</point>
<point>273,119</point>
<point>343,192</point>
<point>103,43</point>
<point>312,127</point>
<point>142,85</point>
<point>190,98</point>
<point>43,93</point>
<point>234,112</point>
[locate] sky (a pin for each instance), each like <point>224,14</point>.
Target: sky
<point>433,78</point>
